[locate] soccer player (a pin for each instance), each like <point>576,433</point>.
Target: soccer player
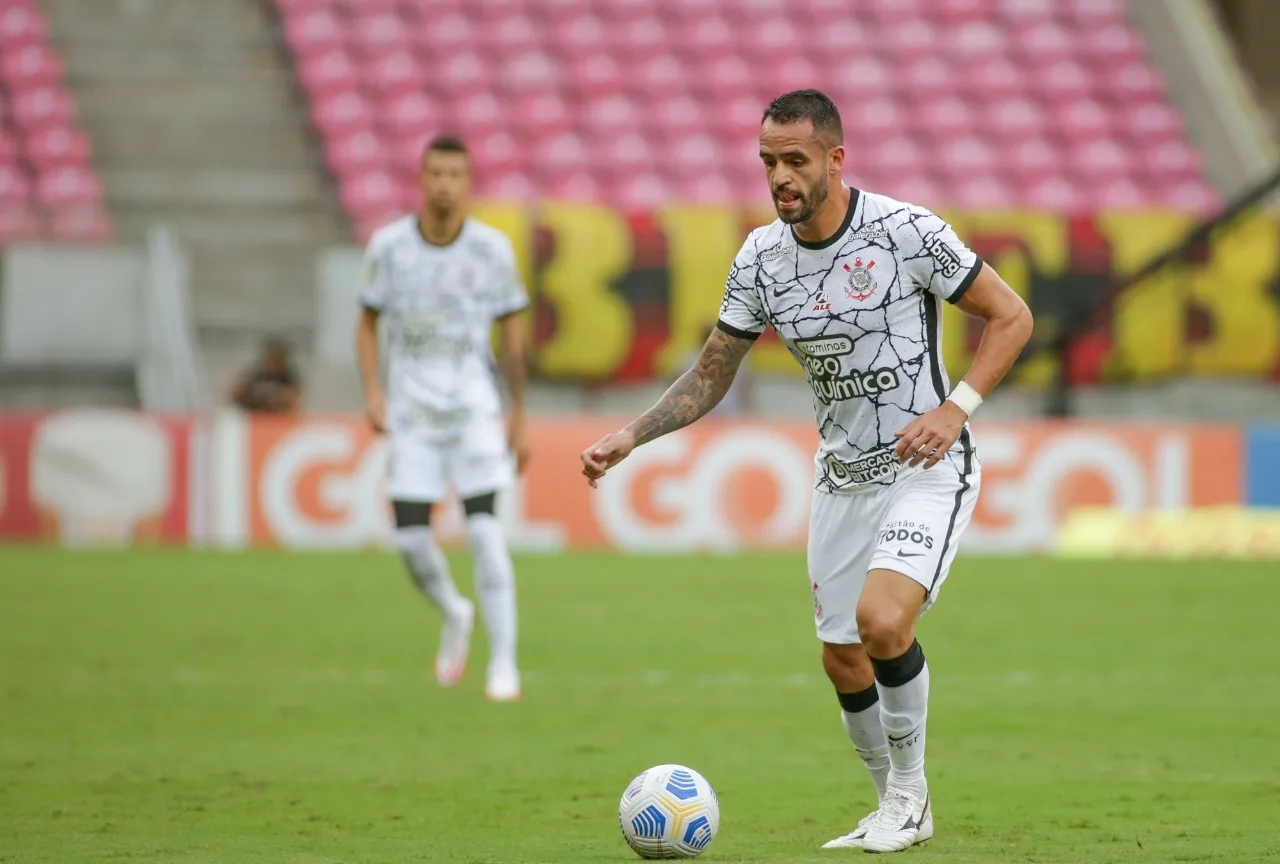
<point>853,283</point>
<point>441,279</point>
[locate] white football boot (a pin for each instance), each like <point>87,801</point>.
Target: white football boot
<point>503,684</point>
<point>902,821</point>
<point>455,645</point>
<point>853,840</point>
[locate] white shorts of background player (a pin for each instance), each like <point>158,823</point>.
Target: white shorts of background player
<point>473,460</point>
<point>912,526</point>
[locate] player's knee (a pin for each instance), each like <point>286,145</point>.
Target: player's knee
<point>481,505</point>
<point>847,667</point>
<point>886,631</point>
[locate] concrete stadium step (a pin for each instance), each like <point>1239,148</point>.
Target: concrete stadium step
<point>296,188</point>
<point>197,122</point>
<point>234,229</point>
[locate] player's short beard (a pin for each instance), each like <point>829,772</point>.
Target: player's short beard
<point>813,199</point>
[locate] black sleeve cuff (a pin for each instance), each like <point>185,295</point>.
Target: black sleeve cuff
<point>734,331</point>
<point>967,280</point>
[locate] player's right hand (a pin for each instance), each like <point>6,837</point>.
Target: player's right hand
<point>375,410</point>
<point>605,453</point>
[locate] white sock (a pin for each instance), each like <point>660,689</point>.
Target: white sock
<point>863,726</point>
<point>495,585</point>
<point>427,564</point>
<point>903,683</point>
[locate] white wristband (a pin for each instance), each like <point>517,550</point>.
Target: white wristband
<point>965,397</point>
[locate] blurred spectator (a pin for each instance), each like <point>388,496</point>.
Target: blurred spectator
<point>271,384</point>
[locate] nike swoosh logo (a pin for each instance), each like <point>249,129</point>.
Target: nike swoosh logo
<point>780,290</point>
<point>913,823</point>
<point>902,554</point>
<point>904,737</point>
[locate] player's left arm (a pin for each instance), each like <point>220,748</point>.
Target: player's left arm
<point>511,359</point>
<point>510,305</point>
<point>1007,328</point>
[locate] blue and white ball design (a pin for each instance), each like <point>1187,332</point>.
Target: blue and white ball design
<point>669,811</point>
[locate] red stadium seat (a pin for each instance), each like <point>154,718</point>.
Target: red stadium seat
<point>22,24</point>
<point>359,153</point>
<point>324,72</point>
<point>341,114</point>
<point>15,187</point>
<point>68,185</point>
<point>990,103</point>
<point>32,65</point>
<point>42,107</point>
<point>58,146</point>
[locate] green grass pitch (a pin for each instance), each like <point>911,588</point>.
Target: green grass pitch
<point>273,708</point>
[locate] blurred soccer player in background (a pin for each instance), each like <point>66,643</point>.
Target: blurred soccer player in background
<point>441,279</point>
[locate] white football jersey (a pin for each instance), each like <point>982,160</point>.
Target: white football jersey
<point>861,312</point>
<point>440,303</point>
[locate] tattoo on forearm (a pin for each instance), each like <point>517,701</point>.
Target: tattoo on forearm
<point>695,392</point>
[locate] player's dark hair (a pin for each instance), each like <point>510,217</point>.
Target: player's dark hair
<point>446,143</point>
<point>812,105</point>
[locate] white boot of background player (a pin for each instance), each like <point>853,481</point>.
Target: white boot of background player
<point>430,570</point>
<point>496,591</point>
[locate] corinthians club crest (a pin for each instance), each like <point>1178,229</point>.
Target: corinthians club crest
<point>862,281</point>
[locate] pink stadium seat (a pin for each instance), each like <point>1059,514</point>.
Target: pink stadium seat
<point>341,114</point>
<point>448,29</point>
<point>22,24</point>
<point>373,33</point>
<point>372,196</point>
<point>1027,10</point>
<point>327,71</point>
<point>58,146</point>
<point>315,30</point>
<point>68,185</point>
<point>1055,193</point>
<point>356,154</point>
<point>81,225</point>
<point>516,186</point>
<point>512,34</point>
<point>547,112</point>
<point>42,107</point>
<point>393,73</point>
<point>597,74</point>
<point>661,74</point>
<point>410,116</point>
<point>532,72</point>
<point>498,153</point>
<point>15,187</point>
<point>463,74</point>
<point>33,65</point>
<point>8,148</point>
<point>974,103</point>
<point>1192,195</point>
<point>983,192</point>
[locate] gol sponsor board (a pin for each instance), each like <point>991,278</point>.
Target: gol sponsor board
<point>716,486</point>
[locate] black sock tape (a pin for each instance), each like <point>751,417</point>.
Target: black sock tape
<point>900,670</point>
<point>856,703</point>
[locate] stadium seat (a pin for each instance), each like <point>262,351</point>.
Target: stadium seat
<point>974,103</point>
<point>68,185</point>
<point>86,224</point>
<point>58,146</point>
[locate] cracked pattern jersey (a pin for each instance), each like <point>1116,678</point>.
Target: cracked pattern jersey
<point>861,312</point>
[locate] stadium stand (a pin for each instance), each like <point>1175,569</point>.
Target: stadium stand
<point>48,187</point>
<point>1044,103</point>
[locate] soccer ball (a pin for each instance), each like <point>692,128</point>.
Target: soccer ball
<point>669,811</point>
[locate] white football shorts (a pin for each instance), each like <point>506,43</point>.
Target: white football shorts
<point>472,461</point>
<point>912,526</point>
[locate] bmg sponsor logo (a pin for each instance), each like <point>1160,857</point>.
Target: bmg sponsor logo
<point>946,257</point>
